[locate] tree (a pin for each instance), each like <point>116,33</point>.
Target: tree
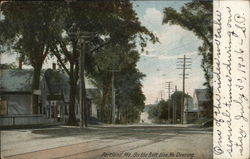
<point>129,96</point>
<point>153,111</point>
<point>197,17</point>
<point>34,29</point>
<point>160,111</point>
<point>115,22</point>
<point>26,28</point>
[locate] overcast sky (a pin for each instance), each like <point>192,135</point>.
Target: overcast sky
<point>159,64</point>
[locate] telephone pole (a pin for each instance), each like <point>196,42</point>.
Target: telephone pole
<point>83,113</point>
<point>174,105</point>
<point>83,37</point>
<point>169,87</point>
<point>113,95</point>
<point>184,64</point>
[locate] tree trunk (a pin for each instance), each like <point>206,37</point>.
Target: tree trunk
<point>72,117</point>
<point>85,106</point>
<point>118,115</point>
<point>104,101</point>
<point>35,86</point>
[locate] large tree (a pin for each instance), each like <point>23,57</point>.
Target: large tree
<point>26,28</point>
<point>114,23</point>
<point>34,29</point>
<point>129,96</point>
<point>197,17</point>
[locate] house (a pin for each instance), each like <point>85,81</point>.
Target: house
<point>191,112</point>
<point>202,103</point>
<point>55,96</point>
<point>200,106</point>
<point>188,104</point>
<point>15,97</point>
<point>15,89</point>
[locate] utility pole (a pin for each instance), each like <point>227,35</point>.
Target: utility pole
<point>187,109</point>
<point>82,36</point>
<point>184,64</point>
<point>174,105</point>
<point>113,95</point>
<point>83,106</point>
<point>169,87</point>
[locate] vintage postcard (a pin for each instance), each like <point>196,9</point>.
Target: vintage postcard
<point>120,79</point>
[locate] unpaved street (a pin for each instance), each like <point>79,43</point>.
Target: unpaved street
<point>134,141</point>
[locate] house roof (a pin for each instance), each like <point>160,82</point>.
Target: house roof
<point>57,79</point>
<point>15,80</point>
<point>21,81</point>
<point>202,95</point>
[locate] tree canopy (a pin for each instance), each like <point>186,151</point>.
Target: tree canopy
<point>27,28</point>
<point>38,29</point>
<point>197,17</point>
<point>112,32</point>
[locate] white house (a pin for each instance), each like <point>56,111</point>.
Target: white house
<point>202,102</point>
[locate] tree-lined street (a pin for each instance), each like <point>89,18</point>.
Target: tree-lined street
<point>106,79</point>
<point>108,142</point>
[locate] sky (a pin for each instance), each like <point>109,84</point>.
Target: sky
<point>159,63</point>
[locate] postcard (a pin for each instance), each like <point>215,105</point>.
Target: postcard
<point>124,79</point>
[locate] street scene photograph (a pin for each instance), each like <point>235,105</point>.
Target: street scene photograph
<point>106,79</point>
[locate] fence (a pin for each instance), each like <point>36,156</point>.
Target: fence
<point>26,119</point>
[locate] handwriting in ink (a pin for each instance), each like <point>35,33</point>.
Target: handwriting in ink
<point>240,101</point>
<point>229,132</point>
<point>229,17</point>
<point>239,144</point>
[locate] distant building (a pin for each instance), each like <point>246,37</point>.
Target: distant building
<point>199,106</point>
<point>202,103</point>
<point>191,112</point>
<point>188,104</point>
